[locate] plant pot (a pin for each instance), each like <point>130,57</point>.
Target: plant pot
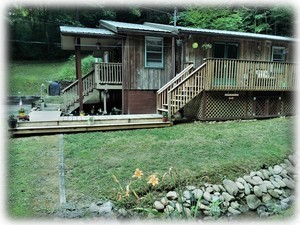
<point>12,123</point>
<point>90,122</point>
<point>165,119</point>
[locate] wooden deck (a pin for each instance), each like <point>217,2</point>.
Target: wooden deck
<point>73,124</point>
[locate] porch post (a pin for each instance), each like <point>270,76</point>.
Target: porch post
<point>123,80</point>
<point>173,58</point>
<point>79,72</point>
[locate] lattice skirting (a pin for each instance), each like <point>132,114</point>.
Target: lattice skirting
<point>247,105</point>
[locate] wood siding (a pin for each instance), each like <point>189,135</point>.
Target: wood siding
<point>136,76</point>
<point>248,49</point>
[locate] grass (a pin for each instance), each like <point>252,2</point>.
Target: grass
<point>26,77</point>
<point>33,176</point>
<point>202,152</point>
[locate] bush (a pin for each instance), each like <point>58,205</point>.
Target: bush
<point>69,70</point>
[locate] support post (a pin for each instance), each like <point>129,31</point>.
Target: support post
<point>79,73</point>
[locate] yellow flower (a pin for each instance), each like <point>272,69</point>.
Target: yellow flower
<point>153,180</point>
<point>127,191</point>
<point>138,173</point>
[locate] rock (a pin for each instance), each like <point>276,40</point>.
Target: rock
<point>231,187</point>
<point>203,207</point>
<point>288,162</point>
<point>262,211</point>
<point>205,202</point>
<point>233,211</point>
<point>227,197</point>
<point>216,188</point>
<point>221,187</point>
<point>209,189</point>
<point>158,205</point>
<point>198,193</point>
<point>284,173</point>
<point>271,170</point>
<point>275,184</point>
<point>273,193</point>
<point>226,204</point>
<point>169,209</point>
<point>257,191</point>
<point>277,169</point>
<point>190,188</point>
<point>207,196</point>
<point>268,184</point>
<point>187,194</point>
<point>292,160</point>
<point>283,165</point>
<point>290,170</point>
<point>187,212</point>
<point>266,173</point>
<point>234,205</point>
<point>280,182</point>
<point>266,198</point>
<point>260,174</point>
<point>239,185</point>
<point>122,212</point>
<point>106,208</point>
<point>252,201</point>
<point>241,180</point>
<point>250,180</point>
<point>252,173</point>
<point>94,208</point>
<point>247,189</point>
<point>263,188</point>
<point>164,201</point>
<point>172,195</point>
<point>280,192</point>
<point>289,183</point>
<point>257,179</point>
<point>179,208</point>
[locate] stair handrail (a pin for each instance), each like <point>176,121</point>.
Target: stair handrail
<point>199,88</point>
<point>76,81</point>
<point>174,79</point>
<point>187,77</point>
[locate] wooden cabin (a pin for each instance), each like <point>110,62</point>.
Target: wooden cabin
<point>203,74</point>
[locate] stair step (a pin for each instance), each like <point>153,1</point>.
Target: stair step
<point>163,110</point>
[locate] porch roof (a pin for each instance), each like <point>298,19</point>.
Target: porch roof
<point>190,30</point>
<point>83,31</point>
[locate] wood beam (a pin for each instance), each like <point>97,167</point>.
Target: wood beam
<point>79,72</point>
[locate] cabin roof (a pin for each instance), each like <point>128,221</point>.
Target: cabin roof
<point>122,27</point>
<point>85,31</point>
<point>191,30</point>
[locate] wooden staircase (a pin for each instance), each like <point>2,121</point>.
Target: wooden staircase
<point>71,93</point>
<point>181,89</point>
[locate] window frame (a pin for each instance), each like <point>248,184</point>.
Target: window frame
<point>282,54</point>
<point>160,64</point>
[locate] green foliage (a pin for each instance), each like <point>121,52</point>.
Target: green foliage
<point>274,20</point>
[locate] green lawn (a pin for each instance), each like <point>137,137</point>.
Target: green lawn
<point>202,152</point>
<point>26,77</point>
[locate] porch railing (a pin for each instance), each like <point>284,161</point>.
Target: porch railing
<point>229,74</point>
<point>108,73</point>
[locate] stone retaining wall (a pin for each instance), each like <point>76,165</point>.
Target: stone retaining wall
<point>265,191</point>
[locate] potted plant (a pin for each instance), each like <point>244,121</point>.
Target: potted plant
<point>165,117</point>
<point>91,120</point>
<point>81,113</point>
<point>22,112</point>
<point>12,121</point>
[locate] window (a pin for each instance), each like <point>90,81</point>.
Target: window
<point>225,50</point>
<point>154,52</point>
<point>278,54</point>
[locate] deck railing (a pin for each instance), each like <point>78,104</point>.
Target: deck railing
<point>162,93</point>
<point>248,75</point>
<point>108,73</point>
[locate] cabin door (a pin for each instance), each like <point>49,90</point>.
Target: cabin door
<point>223,68</point>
